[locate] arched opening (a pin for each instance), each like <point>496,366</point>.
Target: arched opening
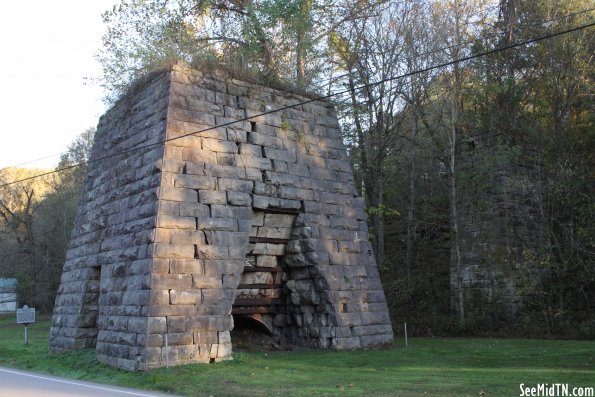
<point>254,333</point>
<point>253,323</point>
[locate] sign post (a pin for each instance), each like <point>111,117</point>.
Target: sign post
<point>26,316</point>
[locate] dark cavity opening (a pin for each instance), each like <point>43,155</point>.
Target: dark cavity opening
<point>261,299</point>
<point>249,324</point>
<point>250,334</point>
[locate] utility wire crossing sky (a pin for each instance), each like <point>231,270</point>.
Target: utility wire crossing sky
<point>411,73</point>
<point>49,83</point>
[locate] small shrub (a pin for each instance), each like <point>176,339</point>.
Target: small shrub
<point>587,329</point>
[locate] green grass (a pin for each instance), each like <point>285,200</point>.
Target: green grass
<point>428,367</point>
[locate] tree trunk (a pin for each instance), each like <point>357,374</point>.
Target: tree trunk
<point>411,226</point>
<point>372,182</point>
<point>301,41</point>
<point>264,42</point>
<point>375,193</point>
<point>452,183</point>
<point>454,217</point>
<point>300,65</point>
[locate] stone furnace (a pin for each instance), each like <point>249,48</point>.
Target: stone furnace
<point>176,235</point>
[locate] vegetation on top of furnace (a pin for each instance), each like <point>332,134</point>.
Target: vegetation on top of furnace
<point>213,67</point>
<point>272,41</point>
<point>123,97</point>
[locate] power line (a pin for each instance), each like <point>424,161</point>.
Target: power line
<point>492,35</point>
<point>320,98</point>
<point>323,82</point>
<point>33,161</point>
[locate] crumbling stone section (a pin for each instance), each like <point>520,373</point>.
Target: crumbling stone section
<point>500,230</point>
<point>259,218</point>
<point>105,287</point>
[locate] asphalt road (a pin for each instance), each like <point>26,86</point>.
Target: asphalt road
<point>15,383</point>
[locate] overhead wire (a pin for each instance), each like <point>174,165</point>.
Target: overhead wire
<point>34,160</point>
<point>325,82</point>
<point>500,32</point>
<point>320,98</point>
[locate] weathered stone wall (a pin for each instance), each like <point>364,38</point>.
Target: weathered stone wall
<point>105,287</point>
<point>500,224</point>
<point>169,232</point>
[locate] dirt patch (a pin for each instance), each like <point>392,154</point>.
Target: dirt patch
<point>251,340</point>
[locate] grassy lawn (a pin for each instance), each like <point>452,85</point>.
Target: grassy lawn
<point>428,367</point>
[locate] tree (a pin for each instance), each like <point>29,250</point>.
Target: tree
<point>36,218</point>
<point>270,40</point>
<point>558,110</point>
<point>18,204</point>
<point>370,54</point>
<point>453,23</point>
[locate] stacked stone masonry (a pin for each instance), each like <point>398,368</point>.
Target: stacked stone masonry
<point>166,235</point>
<point>499,225</point>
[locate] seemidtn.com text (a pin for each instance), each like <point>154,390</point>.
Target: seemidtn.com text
<point>555,390</point>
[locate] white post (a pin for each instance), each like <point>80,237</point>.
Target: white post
<point>26,334</point>
<point>166,353</point>
<point>405,334</point>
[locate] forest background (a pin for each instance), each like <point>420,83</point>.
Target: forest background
<point>428,144</point>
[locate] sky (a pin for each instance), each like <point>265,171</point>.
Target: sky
<point>48,52</point>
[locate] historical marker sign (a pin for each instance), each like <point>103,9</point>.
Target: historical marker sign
<point>26,315</point>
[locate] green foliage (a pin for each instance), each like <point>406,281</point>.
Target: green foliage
<point>145,35</point>
<point>384,210</point>
<point>284,125</point>
<point>482,166</point>
<point>340,46</point>
<point>421,301</point>
<point>587,329</point>
<point>277,41</point>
